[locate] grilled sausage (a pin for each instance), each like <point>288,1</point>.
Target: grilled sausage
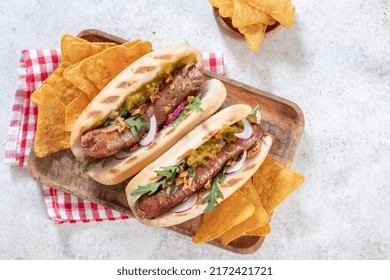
<point>105,141</point>
<point>152,206</point>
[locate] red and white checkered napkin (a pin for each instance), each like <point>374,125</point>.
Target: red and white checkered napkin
<point>34,67</point>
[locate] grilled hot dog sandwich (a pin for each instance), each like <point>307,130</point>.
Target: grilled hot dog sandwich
<point>203,168</point>
<point>144,111</point>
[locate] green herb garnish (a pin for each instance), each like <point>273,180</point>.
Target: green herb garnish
<point>88,164</point>
<point>134,123</point>
<point>110,122</point>
<point>194,105</point>
<point>252,117</point>
<point>254,111</point>
<point>211,198</point>
<point>122,112</point>
<point>167,173</point>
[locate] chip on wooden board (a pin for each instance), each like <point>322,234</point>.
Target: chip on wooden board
<point>261,231</point>
<point>93,73</point>
<point>67,40</point>
<point>50,136</point>
<point>274,182</point>
<point>74,110</point>
<point>258,219</point>
<point>268,187</point>
<point>79,51</point>
<point>232,211</point>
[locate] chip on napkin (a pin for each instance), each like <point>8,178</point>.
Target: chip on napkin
<point>73,50</point>
<point>92,74</point>
<point>50,136</point>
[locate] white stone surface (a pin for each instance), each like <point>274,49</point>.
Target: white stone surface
<point>334,63</point>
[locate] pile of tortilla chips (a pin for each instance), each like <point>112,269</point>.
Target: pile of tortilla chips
<point>86,68</point>
<point>251,17</point>
<point>246,212</point>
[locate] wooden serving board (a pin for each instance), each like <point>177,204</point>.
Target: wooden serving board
<point>282,118</point>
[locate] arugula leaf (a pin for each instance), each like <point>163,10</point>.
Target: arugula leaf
<point>122,112</point>
<point>88,164</point>
<point>110,122</point>
<point>254,110</point>
<point>167,173</point>
<point>149,188</point>
<point>194,105</point>
<point>252,117</point>
<point>134,123</point>
<point>163,173</point>
<point>211,198</point>
<point>179,117</point>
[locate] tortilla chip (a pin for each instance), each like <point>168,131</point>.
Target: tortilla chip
<point>261,231</point>
<point>50,135</point>
<point>93,73</point>
<point>66,40</point>
<point>35,96</point>
<point>74,109</point>
<point>65,91</point>
<point>77,78</point>
<point>245,14</point>
<point>72,49</point>
<point>281,10</point>
<point>225,7</point>
<point>230,212</point>
<point>80,51</point>
<point>274,182</point>
<point>258,219</point>
<point>254,35</point>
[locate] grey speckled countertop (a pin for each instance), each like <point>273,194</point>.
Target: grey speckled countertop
<point>334,63</point>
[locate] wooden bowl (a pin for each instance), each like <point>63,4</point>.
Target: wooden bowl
<point>226,25</point>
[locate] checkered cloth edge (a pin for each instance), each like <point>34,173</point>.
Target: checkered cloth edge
<point>34,67</point>
<point>65,208</point>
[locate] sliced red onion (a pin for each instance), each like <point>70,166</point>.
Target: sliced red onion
<point>175,113</point>
<point>151,133</point>
<point>247,132</point>
<point>187,205</point>
<point>238,165</point>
